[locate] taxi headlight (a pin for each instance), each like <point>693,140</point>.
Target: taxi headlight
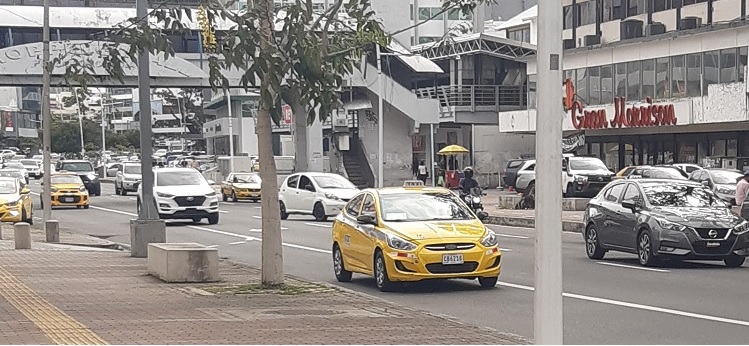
<point>331,196</point>
<point>742,228</point>
<point>82,188</point>
<point>11,203</point>
<point>399,243</point>
<point>53,189</point>
<point>490,239</point>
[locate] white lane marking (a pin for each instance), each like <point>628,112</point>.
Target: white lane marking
<point>308,248</point>
<point>258,207</point>
<point>634,267</point>
<point>505,250</point>
<point>636,306</point>
<point>223,211</point>
<point>227,203</point>
<point>257,217</point>
<point>213,246</point>
<point>316,224</point>
<point>511,236</point>
<point>133,198</point>
<point>114,211</point>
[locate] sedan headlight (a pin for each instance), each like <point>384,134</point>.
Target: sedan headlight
<point>742,228</point>
<point>331,196</point>
<point>665,224</point>
<point>581,178</point>
<point>490,239</point>
<point>164,195</point>
<point>399,243</point>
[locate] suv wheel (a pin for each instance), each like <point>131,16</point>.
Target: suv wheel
<point>213,219</point>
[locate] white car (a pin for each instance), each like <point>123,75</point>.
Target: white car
<point>687,168</point>
<point>182,193</point>
<point>319,194</point>
<point>32,167</point>
<point>20,167</point>
<point>127,178</point>
<point>7,153</point>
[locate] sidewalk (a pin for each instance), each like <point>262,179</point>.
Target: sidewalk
<point>69,294</point>
<point>572,221</point>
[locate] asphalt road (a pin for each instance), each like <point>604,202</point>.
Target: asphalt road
<point>613,301</point>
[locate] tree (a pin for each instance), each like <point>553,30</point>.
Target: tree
<point>299,56</point>
<point>78,99</point>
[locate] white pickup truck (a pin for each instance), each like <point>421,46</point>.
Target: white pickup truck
<point>581,176</point>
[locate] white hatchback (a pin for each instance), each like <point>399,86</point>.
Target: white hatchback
<point>319,194</point>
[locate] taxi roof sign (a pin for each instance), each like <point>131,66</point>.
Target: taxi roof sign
<point>413,183</point>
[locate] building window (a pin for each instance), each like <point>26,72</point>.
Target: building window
<point>428,39</point>
<point>621,80</point>
<point>520,35</point>
<point>742,62</point>
<point>711,65</point>
<point>678,76</point>
<point>581,85</point>
<point>412,12</point>
<point>633,80</point>
<point>607,84</point>
<point>648,78</point>
<point>694,75</point>
<point>728,66</point>
<point>587,12</point>
<point>662,84</point>
<point>594,75</point>
<point>428,13</point>
<point>568,17</point>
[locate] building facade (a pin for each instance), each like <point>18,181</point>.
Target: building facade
<point>653,84</point>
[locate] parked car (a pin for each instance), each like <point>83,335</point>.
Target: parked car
<point>656,219</point>
<point>581,176</point>
<point>182,193</point>
<point>512,169</point>
<point>319,194</point>
<point>721,181</point>
<point>687,168</point>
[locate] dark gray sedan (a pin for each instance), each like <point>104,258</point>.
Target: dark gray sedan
<point>656,219</point>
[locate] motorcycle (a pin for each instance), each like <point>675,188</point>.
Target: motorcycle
<point>473,200</point>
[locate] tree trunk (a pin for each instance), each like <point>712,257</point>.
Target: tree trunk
<point>272,247</point>
<point>299,114</point>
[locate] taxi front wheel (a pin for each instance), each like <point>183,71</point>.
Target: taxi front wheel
<point>381,274</point>
<point>488,282</point>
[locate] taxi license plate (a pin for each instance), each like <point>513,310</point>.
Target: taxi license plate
<point>68,199</point>
<point>452,259</point>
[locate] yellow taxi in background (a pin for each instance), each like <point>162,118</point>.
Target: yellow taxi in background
<point>15,201</point>
<point>241,186</point>
<point>68,190</point>
<point>413,233</point>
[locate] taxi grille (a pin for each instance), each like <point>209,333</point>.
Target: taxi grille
<point>69,199</point>
<point>439,268</point>
<point>450,247</point>
<point>69,191</point>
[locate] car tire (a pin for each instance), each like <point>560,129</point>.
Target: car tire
<point>213,219</point>
<point>734,261</point>
<point>339,268</point>
<point>319,212</point>
<point>645,250</point>
<point>592,244</point>
<point>490,282</point>
<point>137,206</point>
<point>382,280</point>
<point>224,197</point>
<point>196,220</point>
<point>86,206</point>
<point>284,214</point>
<point>568,192</point>
<point>234,197</point>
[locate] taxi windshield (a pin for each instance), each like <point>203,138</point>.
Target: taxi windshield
<point>11,173</point>
<point>408,207</point>
<point>7,187</point>
<point>65,179</point>
<point>247,178</point>
<point>14,165</point>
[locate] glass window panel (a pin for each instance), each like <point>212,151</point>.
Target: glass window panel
<point>567,17</point>
<point>594,80</point>
<point>436,13</point>
<point>425,13</point>
<point>633,80</point>
<point>718,147</point>
<point>732,149</point>
<point>678,76</point>
<point>581,85</point>
<point>711,64</point>
<point>621,80</point>
<point>454,15</point>
<point>607,84</point>
<point>694,75</point>
<point>648,78</point>
<point>662,87</point>
<point>742,62</point>
<point>728,67</point>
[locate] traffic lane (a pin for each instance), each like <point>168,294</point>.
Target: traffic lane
<point>680,286</point>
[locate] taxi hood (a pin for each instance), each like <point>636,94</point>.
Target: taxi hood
<point>9,197</point>
<point>429,230</point>
<point>247,185</point>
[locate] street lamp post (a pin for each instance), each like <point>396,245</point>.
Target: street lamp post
<point>46,119</point>
<point>547,302</point>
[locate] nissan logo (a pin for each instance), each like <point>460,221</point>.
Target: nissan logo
<point>190,199</point>
<point>713,233</point>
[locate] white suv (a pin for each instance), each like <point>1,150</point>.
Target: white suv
<point>183,193</point>
<point>318,194</point>
<point>128,178</point>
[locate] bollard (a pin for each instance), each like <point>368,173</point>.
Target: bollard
<point>52,228</point>
<point>22,235</point>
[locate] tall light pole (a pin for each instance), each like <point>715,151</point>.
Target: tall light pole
<point>380,123</point>
<point>231,131</point>
<point>80,122</point>
<point>46,118</point>
<point>547,302</point>
<point>103,136</point>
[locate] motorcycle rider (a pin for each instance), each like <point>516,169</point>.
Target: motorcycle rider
<point>468,182</point>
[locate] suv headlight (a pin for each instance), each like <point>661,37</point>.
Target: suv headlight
<point>331,196</point>
<point>92,176</point>
<point>399,243</point>
<point>742,228</point>
<point>581,178</point>
<point>490,239</point>
<point>670,225</point>
<point>211,194</point>
<point>725,191</point>
<point>164,195</point>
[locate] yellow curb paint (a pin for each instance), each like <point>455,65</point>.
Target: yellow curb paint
<point>58,326</point>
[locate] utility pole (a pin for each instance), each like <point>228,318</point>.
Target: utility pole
<point>380,123</point>
<point>103,136</point>
<point>231,131</point>
<point>46,119</point>
<point>547,302</point>
<point>80,123</point>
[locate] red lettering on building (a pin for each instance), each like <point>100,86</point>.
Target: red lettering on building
<point>645,115</point>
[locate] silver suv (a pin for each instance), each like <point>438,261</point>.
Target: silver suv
<point>127,178</point>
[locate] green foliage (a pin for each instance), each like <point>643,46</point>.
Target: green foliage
<point>83,95</point>
<point>66,137</point>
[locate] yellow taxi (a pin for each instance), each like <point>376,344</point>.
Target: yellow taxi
<point>68,190</point>
<point>413,233</point>
<point>15,201</point>
<point>241,186</point>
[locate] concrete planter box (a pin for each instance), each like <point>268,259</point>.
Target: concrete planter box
<point>183,262</point>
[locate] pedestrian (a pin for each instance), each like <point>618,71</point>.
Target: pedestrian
<point>742,187</point>
<point>423,173</point>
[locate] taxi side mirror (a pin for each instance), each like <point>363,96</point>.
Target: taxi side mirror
<point>25,191</point>
<point>482,215</point>
<point>366,220</point>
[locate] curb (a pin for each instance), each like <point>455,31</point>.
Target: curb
<point>567,226</point>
